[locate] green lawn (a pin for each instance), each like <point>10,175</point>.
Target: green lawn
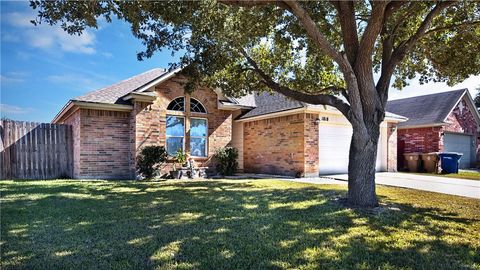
<point>259,224</point>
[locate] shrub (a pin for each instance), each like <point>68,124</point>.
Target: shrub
<point>227,160</point>
<point>181,157</point>
<point>150,159</point>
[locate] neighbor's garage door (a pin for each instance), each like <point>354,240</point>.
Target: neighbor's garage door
<point>460,143</point>
<point>334,146</point>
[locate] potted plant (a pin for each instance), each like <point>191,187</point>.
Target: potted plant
<point>181,158</point>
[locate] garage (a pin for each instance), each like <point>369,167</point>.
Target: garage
<point>460,143</point>
<point>334,145</point>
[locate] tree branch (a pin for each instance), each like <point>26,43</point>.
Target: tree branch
<point>346,15</point>
<point>452,26</point>
<point>312,30</point>
<point>404,47</point>
<point>355,112</point>
<point>374,27</point>
<point>252,3</point>
<point>319,99</point>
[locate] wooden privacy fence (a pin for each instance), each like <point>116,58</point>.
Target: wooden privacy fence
<point>35,150</point>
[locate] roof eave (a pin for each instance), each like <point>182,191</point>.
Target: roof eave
<point>157,80</point>
<point>423,126</point>
<point>232,107</point>
<point>272,115</point>
<point>140,97</point>
<point>92,105</point>
<point>471,104</point>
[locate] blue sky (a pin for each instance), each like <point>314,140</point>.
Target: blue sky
<point>43,67</point>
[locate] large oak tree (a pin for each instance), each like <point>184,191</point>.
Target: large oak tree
<point>338,53</point>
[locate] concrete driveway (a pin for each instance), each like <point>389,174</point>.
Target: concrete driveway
<point>453,186</point>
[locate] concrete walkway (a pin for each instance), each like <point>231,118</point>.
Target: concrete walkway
<point>453,186</point>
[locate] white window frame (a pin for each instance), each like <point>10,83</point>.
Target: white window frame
<point>205,108</point>
<point>184,104</point>
<point>170,136</point>
<point>206,137</point>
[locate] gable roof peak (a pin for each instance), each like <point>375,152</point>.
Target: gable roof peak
<point>462,90</point>
<point>112,94</point>
<point>426,110</point>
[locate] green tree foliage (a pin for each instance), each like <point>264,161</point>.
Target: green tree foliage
<point>150,159</point>
<point>227,160</point>
<point>311,51</point>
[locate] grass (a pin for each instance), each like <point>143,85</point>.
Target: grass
<point>470,175</point>
<point>261,224</point>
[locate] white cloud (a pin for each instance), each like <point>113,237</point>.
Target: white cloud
<point>9,37</point>
<point>417,89</point>
<point>76,82</point>
<point>13,77</point>
<point>23,55</point>
<point>49,37</point>
<point>107,54</point>
<point>11,109</point>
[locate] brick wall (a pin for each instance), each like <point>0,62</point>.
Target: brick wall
<point>311,145</point>
<point>421,140</point>
<point>149,120</point>
<point>392,147</point>
<point>104,145</point>
<point>462,120</point>
<point>275,145</point>
<point>429,139</point>
<point>74,121</point>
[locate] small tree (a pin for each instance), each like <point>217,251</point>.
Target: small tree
<point>180,157</point>
<point>227,160</point>
<point>150,160</point>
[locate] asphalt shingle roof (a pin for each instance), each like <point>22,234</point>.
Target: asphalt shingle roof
<point>112,94</point>
<point>266,103</point>
<point>261,103</point>
<point>425,110</point>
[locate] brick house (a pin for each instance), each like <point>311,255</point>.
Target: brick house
<point>273,134</point>
<point>447,121</point>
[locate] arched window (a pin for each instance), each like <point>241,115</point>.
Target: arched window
<point>196,106</point>
<point>177,104</point>
<point>178,125</point>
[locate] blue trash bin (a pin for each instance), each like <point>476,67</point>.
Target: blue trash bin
<point>449,161</point>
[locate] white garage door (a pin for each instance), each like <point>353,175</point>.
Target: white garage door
<point>459,143</point>
<point>334,146</point>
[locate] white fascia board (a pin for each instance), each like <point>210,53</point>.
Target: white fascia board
<point>158,80</point>
<point>472,106</point>
<point>232,107</point>
<point>103,106</point>
<point>337,112</point>
<point>423,126</point>
<point>93,106</point>
<point>65,109</point>
<point>140,97</point>
<point>272,115</point>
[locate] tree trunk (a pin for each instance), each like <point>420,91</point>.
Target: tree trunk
<point>361,168</point>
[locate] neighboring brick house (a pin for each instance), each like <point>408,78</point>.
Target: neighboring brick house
<point>447,121</point>
<point>273,134</point>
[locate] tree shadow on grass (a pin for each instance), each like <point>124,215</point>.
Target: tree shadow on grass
<point>221,225</point>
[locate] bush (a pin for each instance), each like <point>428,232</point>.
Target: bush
<point>227,160</point>
<point>150,159</point>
